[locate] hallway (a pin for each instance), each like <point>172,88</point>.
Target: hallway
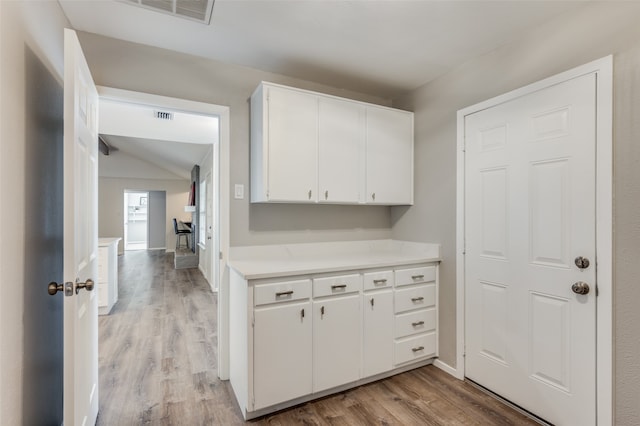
<point>157,366</point>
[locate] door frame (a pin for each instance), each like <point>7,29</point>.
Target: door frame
<point>222,203</point>
<point>603,69</point>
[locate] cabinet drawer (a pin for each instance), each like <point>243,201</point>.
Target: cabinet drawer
<point>380,279</point>
<point>342,284</point>
<point>415,322</point>
<point>410,276</point>
<point>422,296</point>
<point>281,292</point>
<point>414,348</point>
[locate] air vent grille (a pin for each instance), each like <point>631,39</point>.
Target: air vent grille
<point>195,10</point>
<point>164,115</point>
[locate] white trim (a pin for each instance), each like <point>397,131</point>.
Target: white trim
<point>223,114</point>
<point>603,68</point>
<point>445,367</point>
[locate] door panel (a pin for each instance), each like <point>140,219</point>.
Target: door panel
<point>80,236</point>
<point>529,211</point>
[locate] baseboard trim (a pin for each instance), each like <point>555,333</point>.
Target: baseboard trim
<point>448,369</point>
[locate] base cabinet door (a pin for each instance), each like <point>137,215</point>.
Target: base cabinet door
<point>282,361</point>
<point>336,341</point>
<point>377,339</point>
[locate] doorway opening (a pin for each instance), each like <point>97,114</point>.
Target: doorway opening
<point>136,220</point>
<point>214,166</point>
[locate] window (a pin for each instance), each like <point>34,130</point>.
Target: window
<point>202,218</point>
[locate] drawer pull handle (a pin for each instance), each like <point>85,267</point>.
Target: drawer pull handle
<point>337,286</point>
<point>380,281</point>
<point>302,314</point>
<point>284,293</point>
<point>417,277</point>
<point>417,299</point>
<point>418,349</point>
<point>415,324</point>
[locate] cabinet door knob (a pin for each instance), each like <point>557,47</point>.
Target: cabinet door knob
<point>373,196</point>
<point>302,314</point>
<point>372,302</point>
<point>321,312</point>
<point>326,195</point>
<point>310,194</point>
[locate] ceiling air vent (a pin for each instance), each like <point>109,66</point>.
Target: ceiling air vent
<point>164,115</point>
<point>194,10</point>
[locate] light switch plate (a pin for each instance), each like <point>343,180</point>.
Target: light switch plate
<point>239,191</point>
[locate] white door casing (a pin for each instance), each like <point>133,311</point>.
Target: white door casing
<point>220,167</point>
<point>80,236</point>
<point>529,200</point>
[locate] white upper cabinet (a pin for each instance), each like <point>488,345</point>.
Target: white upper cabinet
<point>288,121</point>
<point>340,144</point>
<point>389,156</point>
<point>307,147</point>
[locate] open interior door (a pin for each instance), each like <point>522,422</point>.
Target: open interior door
<point>80,237</point>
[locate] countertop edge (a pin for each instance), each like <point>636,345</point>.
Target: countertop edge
<point>321,269</point>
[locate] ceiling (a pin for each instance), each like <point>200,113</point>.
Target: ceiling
<point>377,47</point>
<point>382,48</point>
<point>173,145</point>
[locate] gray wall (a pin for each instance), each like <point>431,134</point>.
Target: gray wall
<point>593,32</point>
<point>130,66</point>
<point>31,54</point>
<point>157,214</point>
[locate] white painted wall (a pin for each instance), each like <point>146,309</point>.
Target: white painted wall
<point>39,26</point>
<point>119,164</point>
<point>111,205</point>
<point>204,255</point>
<point>120,64</point>
<point>592,32</point>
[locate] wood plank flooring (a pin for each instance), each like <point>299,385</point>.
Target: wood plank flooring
<point>158,367</point>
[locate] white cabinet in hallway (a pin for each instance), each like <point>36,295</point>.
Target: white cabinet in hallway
<point>107,274</point>
<point>340,145</point>
<point>282,343</point>
<point>334,318</point>
<point>377,330</point>
<point>287,121</point>
<point>336,331</point>
<point>308,147</point>
<point>389,156</point>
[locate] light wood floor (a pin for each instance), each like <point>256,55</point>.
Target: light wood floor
<point>157,367</point>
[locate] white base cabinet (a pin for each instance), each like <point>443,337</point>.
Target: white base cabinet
<point>107,282</point>
<point>296,338</point>
<point>282,341</point>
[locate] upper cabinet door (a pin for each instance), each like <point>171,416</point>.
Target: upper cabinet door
<point>292,135</point>
<point>389,152</point>
<point>340,147</point>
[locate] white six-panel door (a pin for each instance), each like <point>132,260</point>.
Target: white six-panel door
<point>529,213</point>
<point>80,236</point>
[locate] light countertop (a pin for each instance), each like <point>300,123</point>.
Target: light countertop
<point>107,241</point>
<point>256,262</point>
